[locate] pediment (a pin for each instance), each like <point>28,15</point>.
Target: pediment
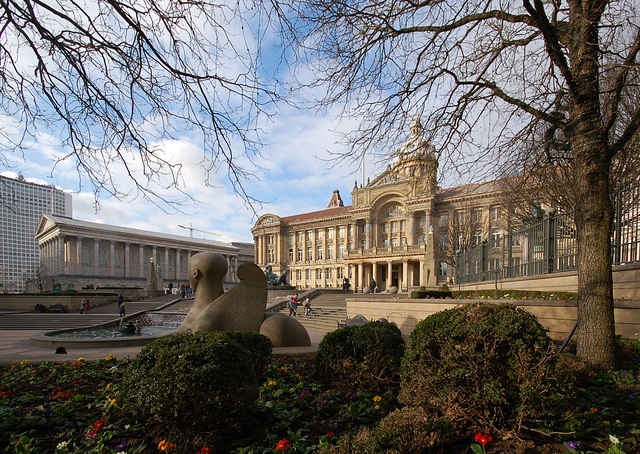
<point>44,225</point>
<point>388,177</point>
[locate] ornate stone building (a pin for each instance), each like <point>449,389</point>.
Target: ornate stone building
<point>401,229</point>
<point>78,253</point>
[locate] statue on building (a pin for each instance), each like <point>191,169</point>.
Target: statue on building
<point>243,308</point>
<point>274,279</point>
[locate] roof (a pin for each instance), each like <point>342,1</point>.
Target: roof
<point>468,189</point>
<point>328,212</point>
<point>98,227</point>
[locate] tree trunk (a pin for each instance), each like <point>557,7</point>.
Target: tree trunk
<point>594,213</point>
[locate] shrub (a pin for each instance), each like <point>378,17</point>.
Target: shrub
<point>481,366</point>
<point>258,346</point>
<point>361,356</point>
<point>419,294</point>
<point>189,383</point>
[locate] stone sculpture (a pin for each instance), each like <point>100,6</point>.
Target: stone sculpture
<point>242,308</point>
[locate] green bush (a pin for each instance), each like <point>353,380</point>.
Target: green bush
<point>514,294</point>
<point>258,346</point>
<point>482,366</point>
<point>420,294</point>
<point>361,356</point>
<point>187,384</point>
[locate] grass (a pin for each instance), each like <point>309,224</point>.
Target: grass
<point>68,408</point>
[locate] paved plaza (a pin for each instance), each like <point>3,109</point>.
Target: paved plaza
<point>16,330</point>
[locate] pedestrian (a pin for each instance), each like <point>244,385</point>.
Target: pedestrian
<point>290,307</point>
<point>87,307</point>
<point>345,284</point>
<point>120,300</point>
<point>294,304</point>
<point>307,307</point>
<point>121,309</point>
<point>373,285</point>
<point>183,290</point>
<point>170,288</point>
<point>83,305</point>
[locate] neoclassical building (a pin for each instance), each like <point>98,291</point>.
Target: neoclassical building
<point>400,229</point>
<point>77,254</point>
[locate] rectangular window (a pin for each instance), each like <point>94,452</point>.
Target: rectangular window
<point>330,252</point>
<point>309,235</point>
<point>494,213</point>
<point>385,227</point>
<point>442,269</point>
<point>319,235</point>
<point>300,259</point>
<point>308,274</point>
<point>341,250</point>
<point>330,234</point>
<point>495,237</point>
<point>319,253</point>
<point>299,275</point>
<point>477,237</point>
<point>339,274</point>
<point>403,241</point>
<point>385,242</point>
<point>394,226</point>
<point>394,242</point>
<point>300,237</point>
<point>318,273</point>
<point>291,238</point>
<point>309,253</point>
<point>341,232</point>
<point>363,244</point>
<point>476,215</point>
<point>459,217</point>
<point>444,243</point>
<point>402,226</point>
<point>422,221</point>
<point>290,255</point>
<point>421,239</point>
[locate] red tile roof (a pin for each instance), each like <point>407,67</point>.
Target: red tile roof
<point>329,212</point>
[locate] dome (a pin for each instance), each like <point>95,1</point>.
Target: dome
<point>417,146</point>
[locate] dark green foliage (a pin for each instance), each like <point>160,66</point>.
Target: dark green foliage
<point>256,345</point>
<point>419,294</point>
<point>361,356</point>
<point>481,366</point>
<point>189,383</point>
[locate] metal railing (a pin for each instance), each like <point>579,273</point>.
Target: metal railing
<point>550,245</point>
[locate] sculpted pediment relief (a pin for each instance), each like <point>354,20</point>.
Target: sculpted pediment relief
<point>388,177</point>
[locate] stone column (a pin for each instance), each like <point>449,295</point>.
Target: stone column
<point>79,256</point>
<point>412,232</point>
<point>96,256</point>
<point>127,259</point>
<point>359,282</point>
<point>423,281</point>
<point>62,258</point>
<point>405,269</point>
<point>177,275</point>
<point>374,272</point>
<point>112,257</point>
<point>141,260</point>
<point>165,271</point>
<point>389,274</point>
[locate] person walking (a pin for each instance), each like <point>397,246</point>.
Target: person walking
<point>373,285</point>
<point>83,305</point>
<point>122,310</point>
<point>87,307</point>
<point>307,307</point>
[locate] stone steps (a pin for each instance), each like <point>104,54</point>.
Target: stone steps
<point>26,321</point>
<point>328,308</point>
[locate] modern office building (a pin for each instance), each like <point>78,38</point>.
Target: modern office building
<point>401,229</point>
<point>22,203</point>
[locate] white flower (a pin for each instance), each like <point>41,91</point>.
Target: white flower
<point>614,440</point>
<point>62,445</point>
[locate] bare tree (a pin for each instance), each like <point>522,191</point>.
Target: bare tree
<point>114,79</point>
<point>463,231</point>
<point>502,68</point>
<point>40,279</point>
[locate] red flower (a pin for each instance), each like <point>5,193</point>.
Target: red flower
<point>205,450</point>
<point>283,445</point>
<point>483,439</point>
<point>57,388</point>
<point>98,424</point>
<point>329,434</point>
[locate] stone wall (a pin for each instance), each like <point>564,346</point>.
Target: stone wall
<point>558,317</point>
<point>22,303</point>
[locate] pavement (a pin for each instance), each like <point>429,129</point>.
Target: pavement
<point>15,345</point>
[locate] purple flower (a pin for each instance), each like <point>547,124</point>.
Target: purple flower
<point>303,392</point>
<point>332,425</point>
<point>121,446</point>
<point>632,396</point>
<point>574,445</point>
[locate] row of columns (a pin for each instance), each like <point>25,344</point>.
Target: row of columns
<point>56,256</point>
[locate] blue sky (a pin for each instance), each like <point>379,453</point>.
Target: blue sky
<point>292,177</point>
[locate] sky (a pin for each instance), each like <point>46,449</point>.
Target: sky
<point>294,174</point>
<point>293,177</point>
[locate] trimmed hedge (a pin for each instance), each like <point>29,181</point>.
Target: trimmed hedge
<point>188,383</point>
<point>361,356</point>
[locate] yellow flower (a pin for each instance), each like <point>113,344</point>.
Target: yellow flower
<point>592,373</point>
<point>108,386</point>
<point>110,357</point>
<point>111,401</point>
<point>594,410</point>
<point>81,360</point>
<point>24,362</point>
<point>377,407</point>
<point>377,399</point>
<point>272,383</point>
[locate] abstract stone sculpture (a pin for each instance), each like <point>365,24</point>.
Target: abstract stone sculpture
<point>273,279</point>
<point>242,308</point>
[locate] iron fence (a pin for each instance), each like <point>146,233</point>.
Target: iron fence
<point>549,245</point>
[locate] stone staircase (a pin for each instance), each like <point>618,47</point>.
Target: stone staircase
<point>328,307</point>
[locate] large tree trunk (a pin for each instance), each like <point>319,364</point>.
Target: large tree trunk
<point>594,212</point>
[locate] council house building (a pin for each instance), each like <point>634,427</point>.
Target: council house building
<point>400,229</point>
